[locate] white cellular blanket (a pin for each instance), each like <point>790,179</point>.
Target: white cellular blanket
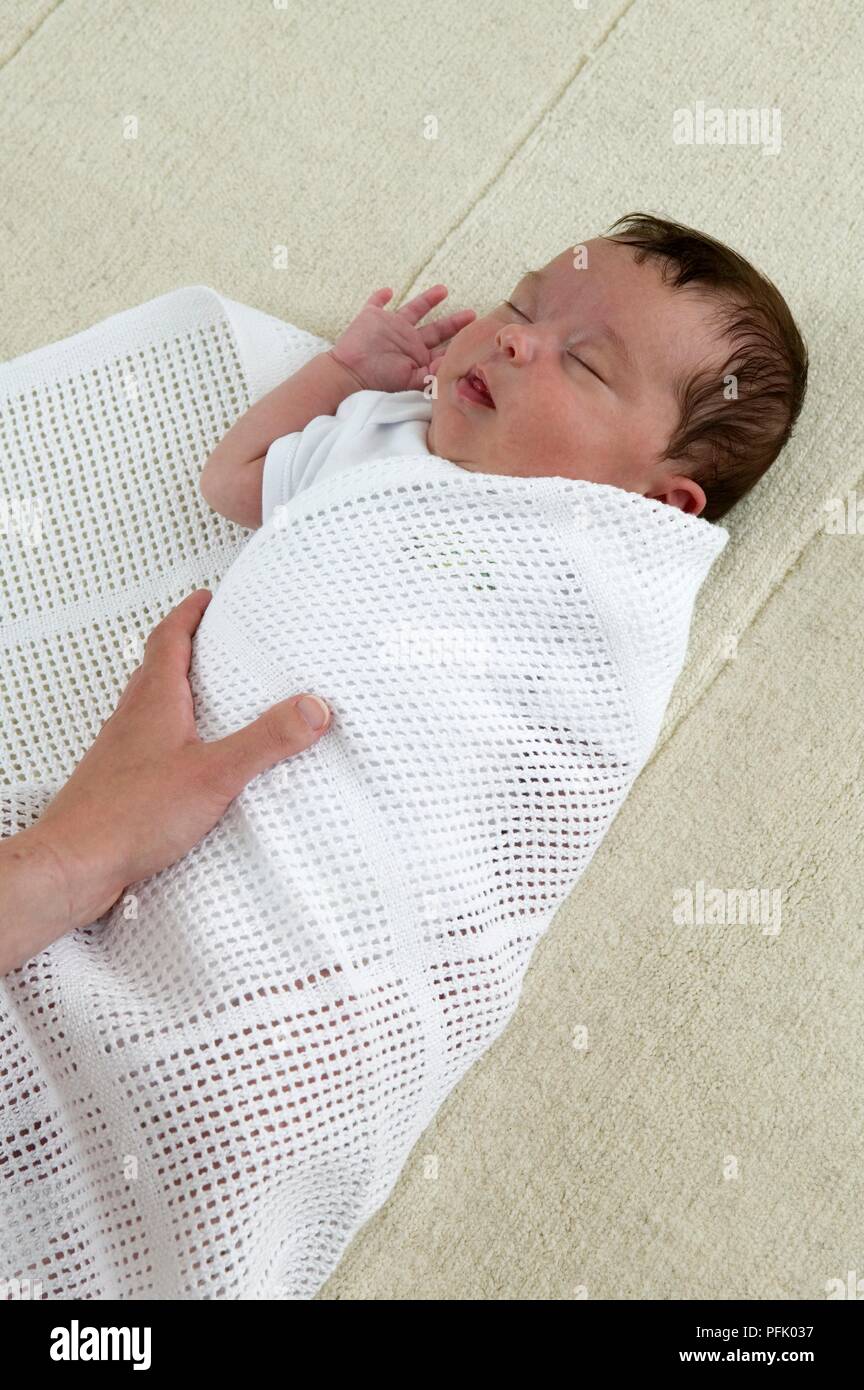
<point>207,1094</point>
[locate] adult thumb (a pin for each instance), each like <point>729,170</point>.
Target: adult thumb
<point>278,733</point>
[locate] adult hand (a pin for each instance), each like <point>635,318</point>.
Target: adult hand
<point>387,351</point>
<point>146,791</point>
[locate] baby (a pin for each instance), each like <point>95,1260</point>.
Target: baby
<point>653,358</point>
<point>485,559</point>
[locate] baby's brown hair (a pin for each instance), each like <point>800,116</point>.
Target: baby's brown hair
<point>723,444</point>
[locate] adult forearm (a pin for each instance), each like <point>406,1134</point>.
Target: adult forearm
<point>318,388</point>
<point>44,893</point>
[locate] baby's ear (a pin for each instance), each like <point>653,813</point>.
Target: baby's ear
<point>682,492</point>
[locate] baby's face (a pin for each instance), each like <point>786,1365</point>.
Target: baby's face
<point>583,367</point>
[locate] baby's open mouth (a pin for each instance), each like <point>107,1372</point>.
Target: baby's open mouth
<point>472,387</point>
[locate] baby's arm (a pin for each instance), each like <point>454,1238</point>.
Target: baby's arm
<point>379,351</point>
<point>232,476</point>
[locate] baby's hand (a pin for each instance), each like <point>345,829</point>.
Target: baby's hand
<point>386,351</point>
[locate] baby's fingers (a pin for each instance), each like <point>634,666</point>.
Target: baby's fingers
<point>438,332</point>
<point>421,376</point>
<point>378,298</point>
<point>416,308</point>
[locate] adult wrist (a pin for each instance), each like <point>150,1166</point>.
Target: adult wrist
<point>77,879</point>
<point>44,893</point>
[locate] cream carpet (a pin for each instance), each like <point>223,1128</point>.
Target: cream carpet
<point>676,1111</point>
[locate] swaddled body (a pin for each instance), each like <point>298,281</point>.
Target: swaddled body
<point>213,1091</point>
<point>291,1002</point>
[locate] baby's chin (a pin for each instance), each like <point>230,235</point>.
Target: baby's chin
<point>443,453</point>
<point>446,431</point>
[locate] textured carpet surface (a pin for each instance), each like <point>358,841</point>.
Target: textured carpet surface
<point>676,1110</point>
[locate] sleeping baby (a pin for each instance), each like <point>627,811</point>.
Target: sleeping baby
<point>654,360</point>
<point>480,540</point>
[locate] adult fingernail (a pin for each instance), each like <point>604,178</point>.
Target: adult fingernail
<point>313,711</point>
